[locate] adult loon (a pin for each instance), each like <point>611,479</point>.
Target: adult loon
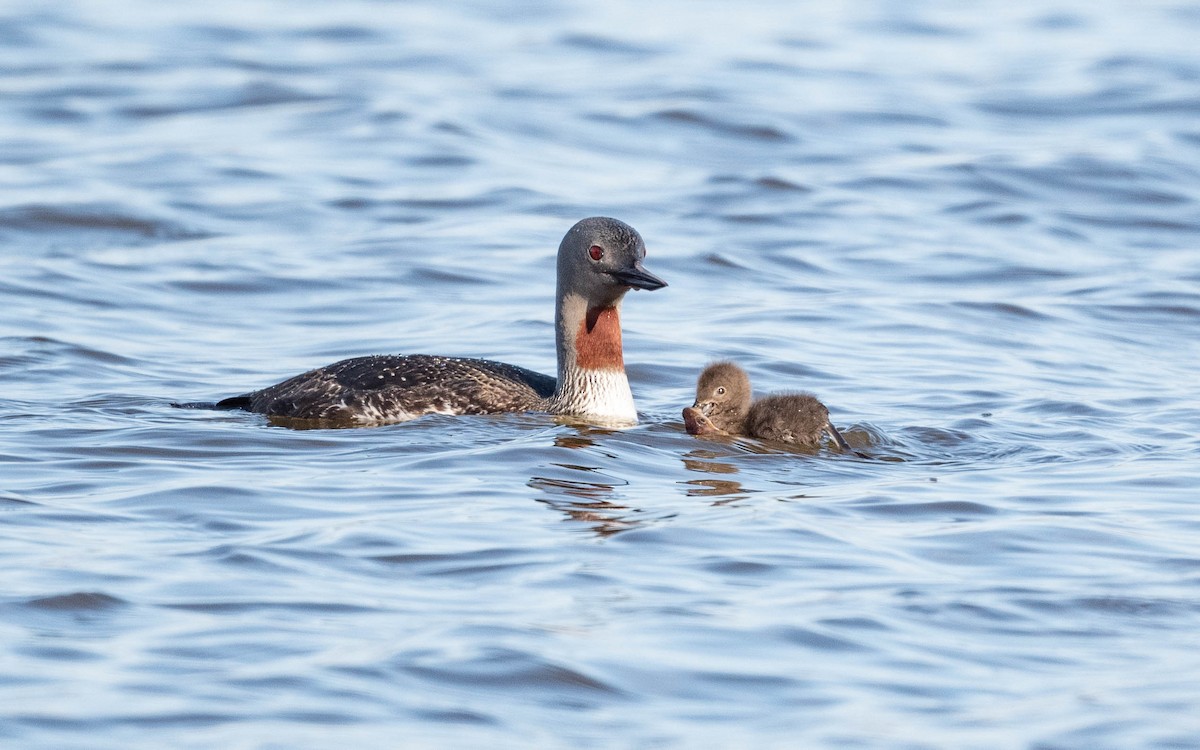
<point>723,406</point>
<point>599,260</point>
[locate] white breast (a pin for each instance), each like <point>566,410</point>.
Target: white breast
<point>602,396</point>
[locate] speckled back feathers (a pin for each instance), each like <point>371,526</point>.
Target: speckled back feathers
<point>391,388</point>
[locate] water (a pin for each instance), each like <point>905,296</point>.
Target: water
<point>973,230</point>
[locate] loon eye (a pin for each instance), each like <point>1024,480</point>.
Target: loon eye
<point>595,252</point>
<point>721,391</point>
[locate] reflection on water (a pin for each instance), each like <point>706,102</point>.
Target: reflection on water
<point>699,460</point>
<point>715,488</point>
<point>971,229</point>
<point>590,502</point>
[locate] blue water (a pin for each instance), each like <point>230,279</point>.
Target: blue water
<point>973,230</point>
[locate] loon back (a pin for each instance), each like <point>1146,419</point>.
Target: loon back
<point>396,388</point>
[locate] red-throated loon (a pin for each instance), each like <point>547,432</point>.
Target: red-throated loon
<point>599,260</point>
<point>723,407</point>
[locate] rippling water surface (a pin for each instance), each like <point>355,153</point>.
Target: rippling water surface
<point>973,229</point>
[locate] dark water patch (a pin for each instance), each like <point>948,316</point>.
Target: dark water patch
<point>1145,313</point>
<point>106,723</point>
<point>81,602</point>
<point>50,514</point>
<point>911,26</point>
<point>85,615</point>
<point>773,67</point>
<point>221,33</point>
<point>703,684</point>
<point>511,669</point>
<point>17,32</point>
<point>303,607</point>
<point>1137,607</point>
<point>233,287</point>
<point>999,619</point>
<point>1145,612</point>
<point>247,173</point>
<point>86,90</point>
<point>723,127</point>
<point>246,560</point>
<point>446,277</point>
<point>1145,67</point>
<point>886,183</point>
<point>1057,407</point>
<point>748,568</point>
<point>442,161</point>
<point>239,556</point>
<point>179,719</point>
<point>1130,221</point>
<point>989,273</point>
<point>1174,295</point>
<point>865,624</point>
<point>951,510</point>
<point>19,151</point>
<point>973,206</point>
<point>608,45</point>
<point>43,350</point>
<point>781,185</point>
<point>457,563</point>
<point>1187,564</point>
<point>90,220</point>
<point>121,67</point>
<point>11,500</point>
<point>462,716</point>
<point>427,209</point>
<point>146,446</point>
<point>815,640</point>
<point>315,717</point>
<point>984,178</point>
<point>754,218</point>
<point>1107,102</point>
<point>1004,219</point>
<point>252,95</point>
<point>1097,178</point>
<point>934,443</point>
<point>892,118</point>
<point>59,653</point>
<point>355,203</point>
<point>721,261</point>
<point>787,258</point>
<point>341,33</point>
<point>1004,310</point>
<point>52,114</point>
<point>1059,21</point>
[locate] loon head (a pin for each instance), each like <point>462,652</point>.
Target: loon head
<point>600,259</point>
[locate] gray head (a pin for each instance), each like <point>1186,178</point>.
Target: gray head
<point>723,395</point>
<point>600,259</point>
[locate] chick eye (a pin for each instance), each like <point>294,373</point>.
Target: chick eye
<point>595,252</point>
<point>721,391</point>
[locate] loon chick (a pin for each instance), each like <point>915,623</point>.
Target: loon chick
<point>723,407</point>
<point>599,260</point>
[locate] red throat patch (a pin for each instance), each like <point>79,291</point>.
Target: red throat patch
<point>598,342</point>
